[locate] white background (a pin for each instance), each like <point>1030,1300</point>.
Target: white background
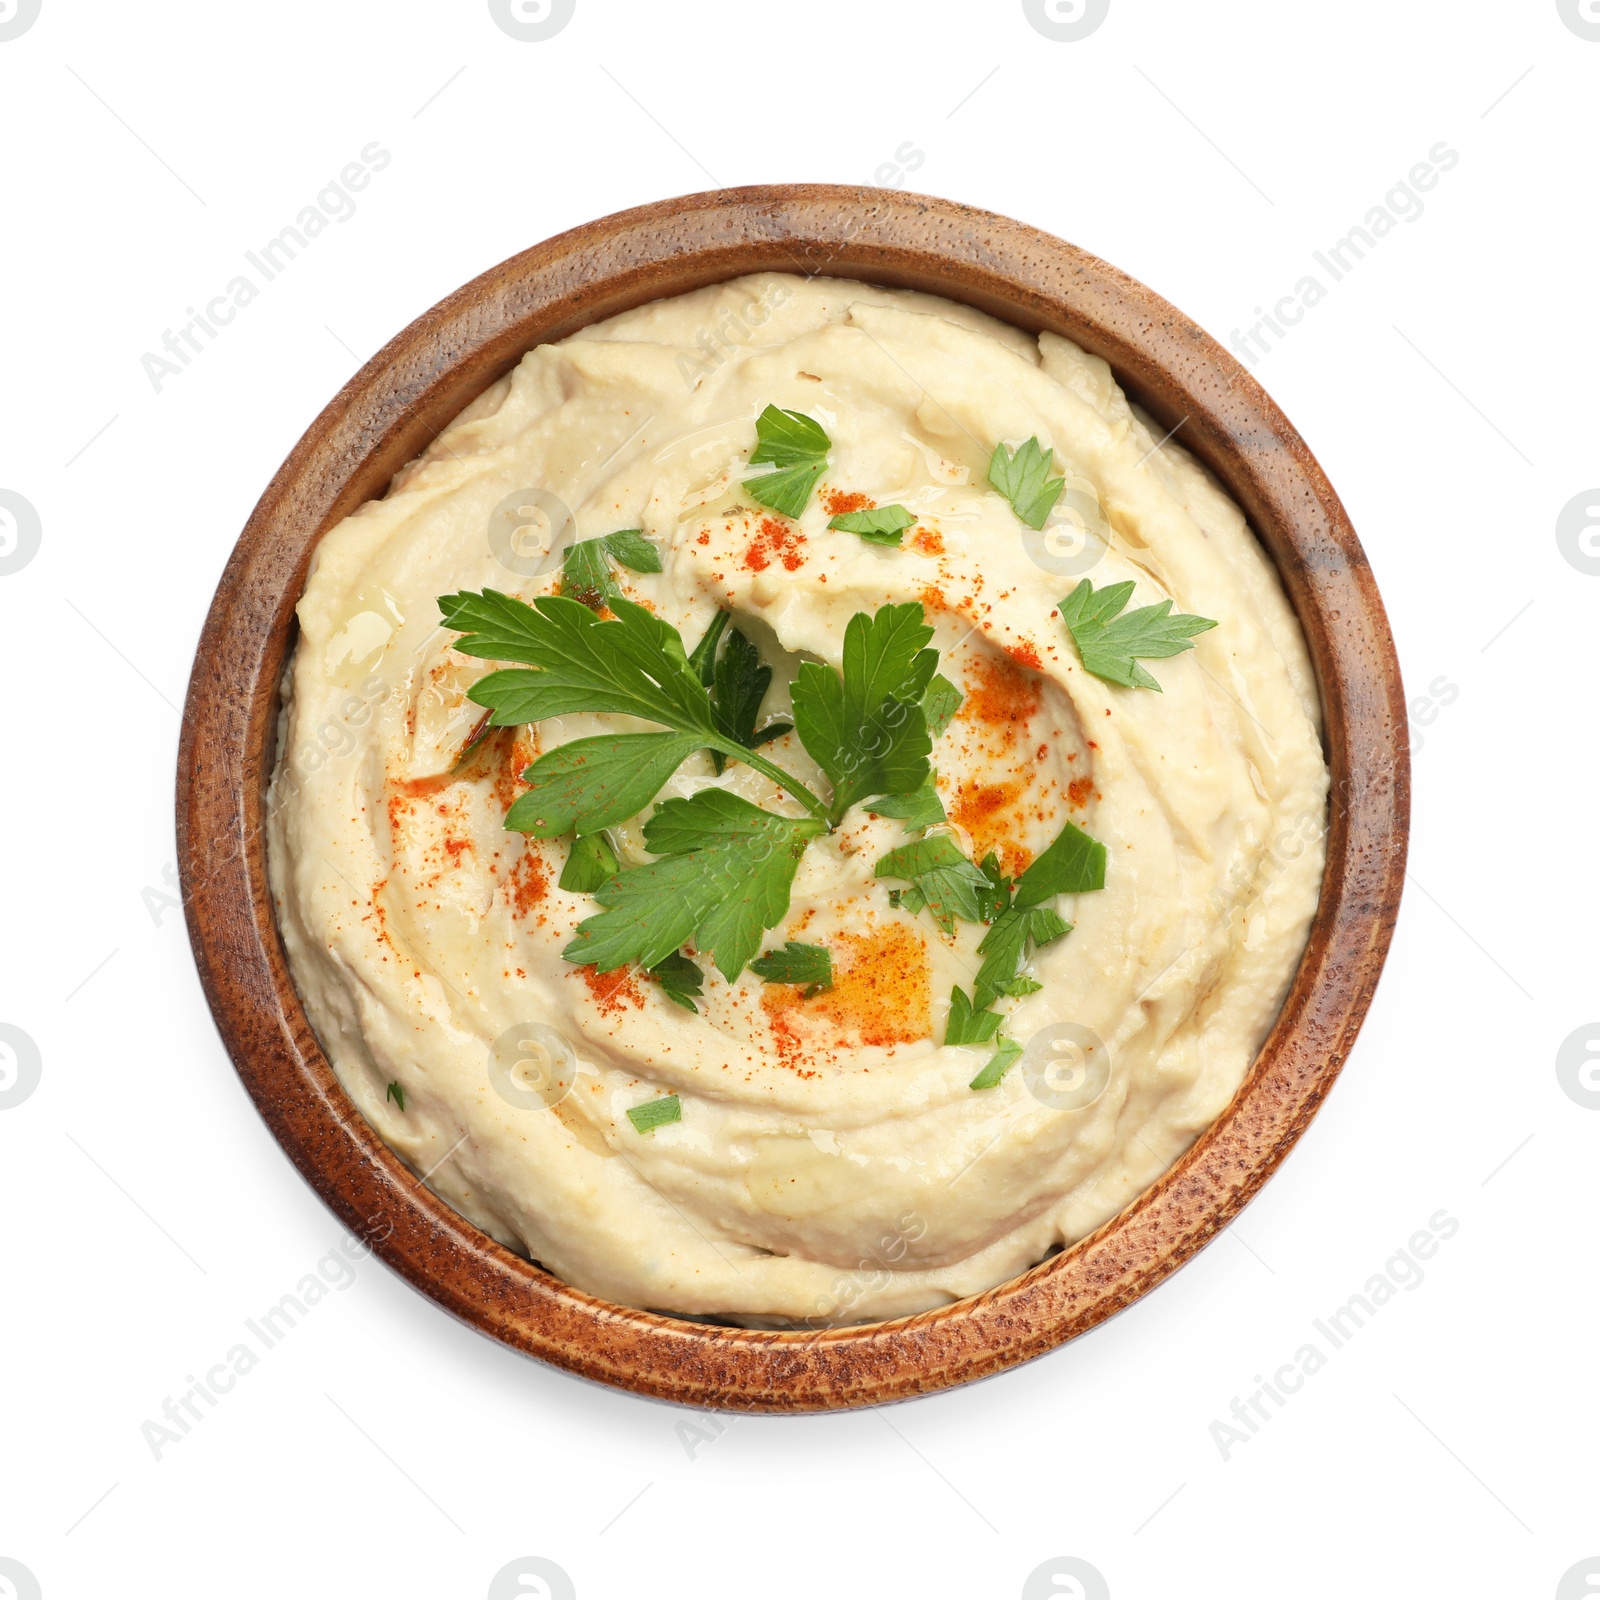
<point>1445,385</point>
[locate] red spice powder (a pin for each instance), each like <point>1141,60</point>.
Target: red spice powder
<point>527,883</point>
<point>613,990</point>
<point>926,542</point>
<point>1004,697</point>
<point>1079,790</point>
<point>776,541</point>
<point>881,995</point>
<point>517,754</point>
<point>990,814</point>
<point>836,502</point>
<point>1027,655</point>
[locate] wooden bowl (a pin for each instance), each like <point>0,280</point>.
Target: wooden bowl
<point>391,409</point>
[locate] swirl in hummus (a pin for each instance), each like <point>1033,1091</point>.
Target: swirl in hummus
<point>831,1163</point>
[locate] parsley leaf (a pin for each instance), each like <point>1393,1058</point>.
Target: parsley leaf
<point>680,979</point>
<point>967,1025</point>
<point>922,808</point>
<point>723,880</point>
<point>596,783</point>
<point>885,525</point>
<point>865,727</point>
<point>738,683</point>
<point>1023,478</point>
<point>1004,948</point>
<point>738,686</point>
<point>798,447</point>
<point>586,567</point>
<point>1107,647</point>
<point>993,901</point>
<point>1073,863</point>
<point>941,878</point>
<point>632,665</point>
<point>655,1114</point>
<point>632,550</point>
<point>1019,988</point>
<point>397,1094</point>
<point>940,703</point>
<point>999,1065</point>
<point>809,965</point>
<point>703,658</point>
<point>590,861</point>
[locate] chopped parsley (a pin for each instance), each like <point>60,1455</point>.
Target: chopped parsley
<point>586,567</point>
<point>968,1024</point>
<point>397,1094</point>
<point>1108,643</point>
<point>942,880</point>
<point>885,525</point>
<point>632,665</point>
<point>808,965</point>
<point>798,448</point>
<point>655,1114</point>
<point>1023,477</point>
<point>738,683</point>
<point>723,879</point>
<point>998,1066</point>
<point>680,979</point>
<point>865,726</point>
<point>920,809</point>
<point>940,703</point>
<point>590,861</point>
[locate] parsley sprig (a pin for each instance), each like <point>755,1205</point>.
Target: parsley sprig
<point>1023,477</point>
<point>723,879</point>
<point>1108,643</point>
<point>885,525</point>
<point>586,567</point>
<point>865,726</point>
<point>808,965</point>
<point>632,665</point>
<point>798,448</point>
<point>738,683</point>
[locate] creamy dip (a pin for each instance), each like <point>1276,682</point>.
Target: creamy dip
<point>831,1163</point>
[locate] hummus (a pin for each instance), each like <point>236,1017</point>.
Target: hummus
<point>831,1163</point>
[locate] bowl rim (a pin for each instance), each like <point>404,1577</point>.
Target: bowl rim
<point>390,410</point>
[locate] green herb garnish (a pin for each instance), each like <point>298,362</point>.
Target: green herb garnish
<point>1023,477</point>
<point>798,447</point>
<point>941,878</point>
<point>397,1094</point>
<point>885,525</point>
<point>865,727</point>
<point>920,809</point>
<point>655,1114</point>
<point>586,567</point>
<point>680,979</point>
<point>633,665</point>
<point>808,965</point>
<point>1107,643</point>
<point>738,684</point>
<point>1073,863</point>
<point>596,783</point>
<point>723,881</point>
<point>1004,948</point>
<point>590,861</point>
<point>998,1065</point>
<point>940,703</point>
<point>968,1025</point>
